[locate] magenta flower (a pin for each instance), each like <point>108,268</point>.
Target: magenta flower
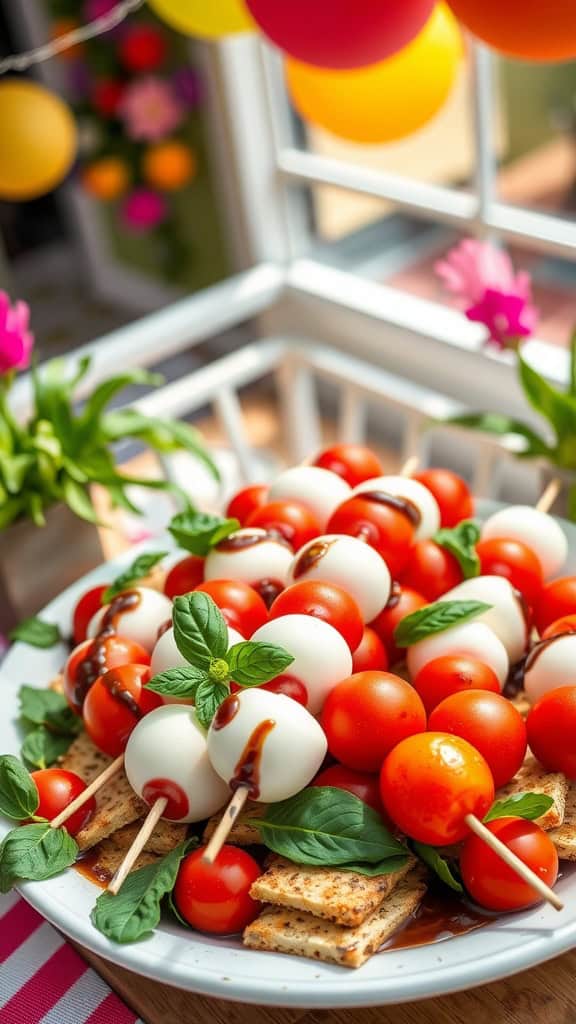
<point>150,109</point>
<point>508,317</point>
<point>16,340</point>
<point>143,210</point>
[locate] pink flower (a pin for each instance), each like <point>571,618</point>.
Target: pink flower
<point>16,341</point>
<point>150,109</point>
<point>507,317</point>
<point>143,210</point>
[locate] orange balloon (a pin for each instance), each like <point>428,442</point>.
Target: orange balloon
<point>169,166</point>
<point>535,30</point>
<point>106,179</point>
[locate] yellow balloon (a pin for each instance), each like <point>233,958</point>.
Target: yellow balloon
<point>38,140</point>
<point>384,101</point>
<point>208,18</point>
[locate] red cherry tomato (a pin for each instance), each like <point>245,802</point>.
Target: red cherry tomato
<point>490,881</point>
<point>58,788</point>
<point>514,561</point>
<point>452,493</point>
<point>243,609</point>
<point>92,658</point>
<point>490,723</point>
<point>353,462</point>
<point>450,674</point>
<point>567,624</point>
<point>431,570</point>
<point>551,727</point>
<point>290,687</point>
<point>370,653</point>
<point>402,602</point>
<point>323,601</point>
<point>366,715</point>
<point>363,785</point>
<point>293,521</point>
<point>215,897</point>
<point>115,704</point>
<point>557,599</point>
<point>88,605</point>
<point>246,501</point>
<point>430,782</point>
<point>184,576</point>
<point>383,526</point>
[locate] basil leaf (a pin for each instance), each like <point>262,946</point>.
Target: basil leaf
<point>35,852</point>
<point>520,805</point>
<point>556,406</point>
<point>200,631</point>
<point>135,911</point>
<point>435,618</point>
<point>18,793</point>
<point>253,663</point>
<point>572,376</point>
<point>324,825</point>
<point>461,542</point>
<point>199,533</point>
<point>36,632</point>
<point>209,697</point>
<point>42,748</point>
<point>140,568</point>
<point>48,708</point>
<point>178,682</point>
<point>382,867</point>
<point>437,864</point>
<point>499,425</point>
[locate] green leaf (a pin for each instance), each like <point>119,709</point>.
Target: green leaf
<point>572,375</point>
<point>200,631</point>
<point>50,709</point>
<point>135,911</point>
<point>572,503</point>
<point>439,865</point>
<point>18,794</point>
<point>14,469</point>
<point>495,423</point>
<point>140,568</point>
<point>42,748</point>
<point>461,542</point>
<point>90,419</point>
<point>163,435</point>
<point>435,618</point>
<point>35,852</point>
<point>78,500</point>
<point>558,408</point>
<point>10,511</point>
<point>252,664</point>
<point>178,682</point>
<point>327,826</point>
<point>209,696</point>
<point>521,805</point>
<point>37,633</point>
<point>199,533</point>
<point>387,866</point>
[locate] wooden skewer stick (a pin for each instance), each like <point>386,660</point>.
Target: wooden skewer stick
<point>410,466</point>
<point>94,786</point>
<point>513,861</point>
<point>152,819</point>
<point>226,822</point>
<point>548,497</point>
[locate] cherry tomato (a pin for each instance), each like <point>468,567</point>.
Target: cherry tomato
<point>431,570</point>
<point>92,658</point>
<point>366,715</point>
<point>115,704</point>
<point>452,493</point>
<point>490,723</point>
<point>324,601</point>
<point>244,503</point>
<point>430,782</point>
<point>551,727</point>
<point>567,624</point>
<point>386,528</point>
<point>514,561</point>
<point>88,605</point>
<point>557,599</point>
<point>58,788</point>
<point>293,521</point>
<point>287,685</point>
<point>353,462</point>
<point>363,785</point>
<point>450,674</point>
<point>215,897</point>
<point>370,653</point>
<point>184,576</point>
<point>402,602</point>
<point>243,609</point>
<point>490,881</point>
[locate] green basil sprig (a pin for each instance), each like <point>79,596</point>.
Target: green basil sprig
<point>18,794</point>
<point>435,618</point>
<point>42,748</point>
<point>50,726</point>
<point>34,853</point>
<point>198,532</point>
<point>461,542</point>
<point>521,805</point>
<point>36,632</point>
<point>439,865</point>
<point>139,569</point>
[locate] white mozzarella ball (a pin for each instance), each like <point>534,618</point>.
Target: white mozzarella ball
<point>279,741</point>
<point>321,655</point>
<point>167,755</point>
<point>414,492</point>
<point>166,656</point>
<point>507,616</point>
<point>550,664</point>
<point>137,618</point>
<point>539,531</point>
<point>319,489</point>
<point>350,564</point>
<point>474,639</point>
<point>253,556</point>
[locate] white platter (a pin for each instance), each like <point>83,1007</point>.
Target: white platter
<point>223,968</point>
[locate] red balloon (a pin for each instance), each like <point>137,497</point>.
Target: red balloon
<point>544,30</point>
<point>344,33</point>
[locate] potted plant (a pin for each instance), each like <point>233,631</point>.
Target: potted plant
<point>48,534</point>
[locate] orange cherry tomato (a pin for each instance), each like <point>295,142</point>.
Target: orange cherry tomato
<point>450,674</point>
<point>431,570</point>
<point>353,462</point>
<point>557,599</point>
<point>292,520</point>
<point>490,723</point>
<point>246,501</point>
<point>430,782</point>
<point>490,882</point>
<point>366,715</point>
<point>92,658</point>
<point>361,784</point>
<point>243,608</point>
<point>567,624</point>
<point>370,655</point>
<point>184,576</point>
<point>452,493</point>
<point>90,603</point>
<point>324,601</point>
<point>215,898</point>
<point>551,727</point>
<point>402,602</point>
<point>58,788</point>
<point>115,704</point>
<point>515,561</point>
<point>386,528</point>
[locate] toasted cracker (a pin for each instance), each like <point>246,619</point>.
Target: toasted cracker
<point>564,837</point>
<point>83,758</point>
<point>344,897</point>
<point>521,703</point>
<point>532,778</point>
<point>241,833</point>
<point>108,856</point>
<point>300,934</point>
<point>165,837</point>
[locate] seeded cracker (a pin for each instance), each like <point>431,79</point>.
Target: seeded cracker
<point>532,778</point>
<point>564,837</point>
<point>242,834</point>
